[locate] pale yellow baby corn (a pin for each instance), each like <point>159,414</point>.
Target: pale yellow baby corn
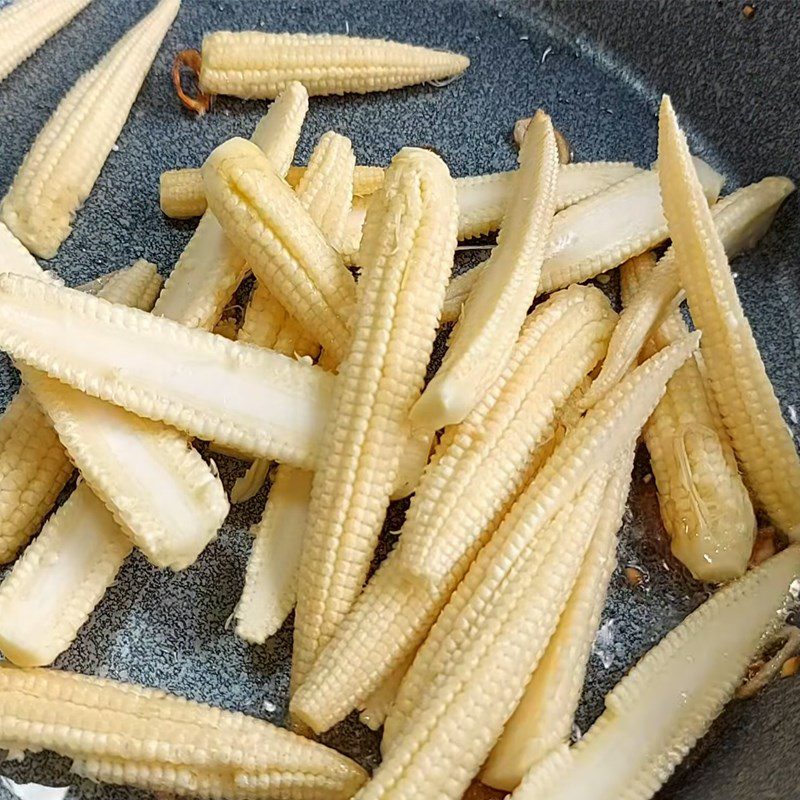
<point>659,710</point>
<point>741,219</point>
<point>254,64</point>
<point>498,623</point>
<point>210,268</point>
<point>27,24</point>
<point>704,505</point>
<point>34,467</point>
<point>750,410</point>
<point>470,673</point>
<point>263,217</point>
<point>60,169</point>
<point>597,233</point>
<point>100,723</point>
<point>495,310</point>
<point>325,191</point>
<point>59,579</point>
<point>407,249</point>
<point>182,194</point>
<point>478,469</point>
<point>483,199</point>
<point>270,584</point>
<point>544,717</point>
<point>249,399</point>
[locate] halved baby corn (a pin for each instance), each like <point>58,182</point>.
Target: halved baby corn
<point>59,579</point>
<point>270,585</point>
<point>598,233</point>
<point>34,467</point>
<point>659,710</point>
<point>470,673</point>
<point>407,249</point>
<point>254,64</point>
<point>750,410</point>
<point>264,218</point>
<point>210,268</point>
<point>60,169</point>
<point>99,722</point>
<point>26,25</point>
<point>704,504</point>
<point>495,310</point>
<point>477,471</point>
<point>252,400</point>
<point>544,717</point>
<point>483,199</point>
<point>741,219</point>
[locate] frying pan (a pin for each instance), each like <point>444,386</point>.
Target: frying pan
<point>599,68</point>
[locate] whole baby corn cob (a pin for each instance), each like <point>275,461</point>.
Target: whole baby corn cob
<point>59,579</point>
<point>34,467</point>
<point>210,268</point>
<point>598,233</point>
<point>270,588</point>
<point>659,710</point>
<point>495,310</point>
<point>704,504</point>
<point>254,64</point>
<point>446,718</point>
<point>514,608</point>
<point>741,219</point>
<point>544,717</point>
<point>408,246</point>
<point>288,253</point>
<point>103,724</point>
<point>476,473</point>
<point>249,399</point>
<point>750,410</point>
<point>60,169</point>
<point>27,24</point>
<point>325,192</point>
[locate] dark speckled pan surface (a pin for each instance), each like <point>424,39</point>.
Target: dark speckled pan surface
<point>599,68</point>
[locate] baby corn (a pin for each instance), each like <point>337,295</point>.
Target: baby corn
<point>62,166</point>
<point>741,219</point>
<point>251,400</point>
<point>666,703</point>
<point>508,606</point>
<point>544,716</point>
<point>253,64</point>
<point>377,705</point>
<point>270,586</point>
<point>27,24</point>
<point>53,588</point>
<point>99,723</point>
<point>210,268</point>
<point>427,724</point>
<point>407,249</point>
<point>597,234</point>
<point>476,473</point>
<point>496,308</point>
<point>750,411</point>
<point>34,467</point>
<point>483,199</point>
<point>704,505</point>
<point>266,221</point>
